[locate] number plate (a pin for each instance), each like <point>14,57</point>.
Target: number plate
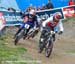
<point>27,26</point>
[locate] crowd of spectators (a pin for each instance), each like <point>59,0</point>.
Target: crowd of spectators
<point>49,5</point>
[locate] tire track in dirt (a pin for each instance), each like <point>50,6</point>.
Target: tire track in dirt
<point>58,54</point>
<point>63,51</point>
<point>64,43</point>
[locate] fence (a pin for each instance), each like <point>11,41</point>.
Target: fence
<point>14,18</point>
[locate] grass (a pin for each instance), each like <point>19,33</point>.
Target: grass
<point>71,52</point>
<point>10,54</point>
<point>69,18</point>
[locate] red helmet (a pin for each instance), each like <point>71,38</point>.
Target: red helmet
<point>57,16</point>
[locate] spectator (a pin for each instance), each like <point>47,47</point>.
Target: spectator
<point>27,10</point>
<point>38,8</point>
<point>30,7</point>
<point>43,7</point>
<point>35,8</point>
<point>49,5</point>
<point>71,2</point>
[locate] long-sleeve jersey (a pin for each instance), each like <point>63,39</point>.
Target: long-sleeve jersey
<point>31,18</point>
<point>50,23</point>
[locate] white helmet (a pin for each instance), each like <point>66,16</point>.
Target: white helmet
<point>32,11</point>
<point>57,15</point>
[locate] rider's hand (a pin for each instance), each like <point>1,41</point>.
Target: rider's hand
<point>56,32</point>
<point>60,32</point>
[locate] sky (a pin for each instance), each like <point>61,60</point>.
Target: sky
<point>23,4</point>
<point>9,3</point>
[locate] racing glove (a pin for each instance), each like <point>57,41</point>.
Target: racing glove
<point>60,32</point>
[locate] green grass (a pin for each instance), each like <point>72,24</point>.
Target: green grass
<point>69,18</point>
<point>10,53</point>
<point>71,52</point>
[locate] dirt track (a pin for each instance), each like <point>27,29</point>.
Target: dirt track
<point>63,51</point>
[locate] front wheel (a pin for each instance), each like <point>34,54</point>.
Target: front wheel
<point>48,49</point>
<point>18,37</point>
<point>41,47</point>
<point>16,40</point>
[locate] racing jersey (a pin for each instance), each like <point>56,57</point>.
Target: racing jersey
<point>50,22</point>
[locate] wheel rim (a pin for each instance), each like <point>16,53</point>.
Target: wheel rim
<point>48,50</point>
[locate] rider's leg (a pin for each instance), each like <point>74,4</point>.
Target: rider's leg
<point>25,35</point>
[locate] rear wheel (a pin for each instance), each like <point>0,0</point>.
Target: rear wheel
<point>48,49</point>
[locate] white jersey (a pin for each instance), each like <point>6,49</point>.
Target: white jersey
<point>59,26</point>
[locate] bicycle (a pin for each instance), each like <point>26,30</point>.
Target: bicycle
<point>21,34</point>
<point>46,42</point>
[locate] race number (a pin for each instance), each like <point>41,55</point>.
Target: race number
<point>27,26</point>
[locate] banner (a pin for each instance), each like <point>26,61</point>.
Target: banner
<point>2,21</point>
<point>69,11</point>
<point>47,13</point>
<point>14,18</point>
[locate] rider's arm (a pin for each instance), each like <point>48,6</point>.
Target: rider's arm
<point>23,14</point>
<point>25,19</point>
<point>56,28</point>
<point>60,26</point>
<point>46,21</point>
